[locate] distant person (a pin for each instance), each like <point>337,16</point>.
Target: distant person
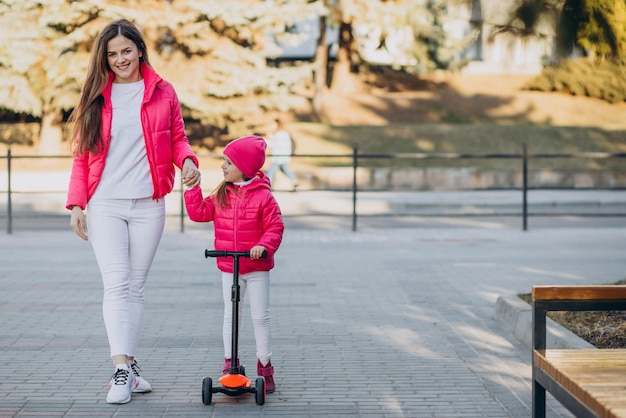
<point>281,148</point>
<point>129,135</point>
<point>246,217</point>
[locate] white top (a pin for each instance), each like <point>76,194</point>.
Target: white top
<point>126,172</point>
<point>280,147</point>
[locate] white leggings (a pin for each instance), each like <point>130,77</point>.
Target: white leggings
<point>124,235</point>
<point>257,286</point>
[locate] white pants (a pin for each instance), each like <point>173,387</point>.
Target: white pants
<point>257,287</point>
<point>124,235</point>
<point>284,167</point>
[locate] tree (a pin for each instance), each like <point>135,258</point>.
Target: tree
<point>404,34</point>
<point>409,35</point>
<point>27,68</point>
<point>233,70</point>
<point>212,51</point>
<point>600,26</point>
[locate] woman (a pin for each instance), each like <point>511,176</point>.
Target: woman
<point>129,135</point>
<point>281,145</point>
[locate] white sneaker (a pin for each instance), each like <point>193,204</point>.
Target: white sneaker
<point>122,384</point>
<point>141,384</point>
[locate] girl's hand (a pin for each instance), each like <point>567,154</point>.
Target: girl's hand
<point>257,251</point>
<point>190,173</point>
<point>78,222</point>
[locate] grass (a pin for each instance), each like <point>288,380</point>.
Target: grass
<point>472,114</point>
<point>603,329</point>
<point>315,138</point>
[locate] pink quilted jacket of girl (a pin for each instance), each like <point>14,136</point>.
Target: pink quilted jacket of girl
<point>252,218</point>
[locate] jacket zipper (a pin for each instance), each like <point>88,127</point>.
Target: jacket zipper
<point>149,148</point>
<point>236,220</point>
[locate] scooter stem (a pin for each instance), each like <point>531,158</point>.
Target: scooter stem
<point>235,297</point>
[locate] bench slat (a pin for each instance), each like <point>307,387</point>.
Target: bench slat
<point>602,292</point>
<point>597,377</point>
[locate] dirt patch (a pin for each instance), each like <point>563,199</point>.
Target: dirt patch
<point>603,329</point>
<point>395,98</point>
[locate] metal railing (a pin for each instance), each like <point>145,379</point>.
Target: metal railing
<point>523,159</point>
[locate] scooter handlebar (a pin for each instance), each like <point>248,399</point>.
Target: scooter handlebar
<point>224,253</point>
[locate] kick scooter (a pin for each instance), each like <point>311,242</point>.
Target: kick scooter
<point>234,383</point>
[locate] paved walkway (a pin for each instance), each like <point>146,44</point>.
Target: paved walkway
<point>382,322</point>
<point>492,209</point>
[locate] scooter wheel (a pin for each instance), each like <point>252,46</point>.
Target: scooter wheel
<point>260,390</point>
<point>242,370</point>
<point>207,390</point>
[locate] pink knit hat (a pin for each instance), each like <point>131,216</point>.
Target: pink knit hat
<point>247,153</point>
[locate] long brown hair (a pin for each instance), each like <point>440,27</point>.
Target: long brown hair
<point>86,118</point>
<point>221,193</point>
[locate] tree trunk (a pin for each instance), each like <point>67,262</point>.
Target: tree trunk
<point>342,82</point>
<point>51,134</point>
<point>321,61</point>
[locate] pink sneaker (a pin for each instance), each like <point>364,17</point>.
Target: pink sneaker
<point>267,372</point>
<point>226,367</point>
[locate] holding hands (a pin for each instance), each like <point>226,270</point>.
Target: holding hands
<point>190,173</point>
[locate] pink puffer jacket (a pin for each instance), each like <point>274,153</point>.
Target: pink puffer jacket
<point>252,218</point>
<point>164,133</point>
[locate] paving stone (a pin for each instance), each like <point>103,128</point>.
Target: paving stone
<point>382,322</point>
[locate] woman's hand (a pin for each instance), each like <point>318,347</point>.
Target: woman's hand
<point>78,222</point>
<point>190,173</point>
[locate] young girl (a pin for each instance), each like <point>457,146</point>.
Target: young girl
<point>129,135</point>
<point>246,217</point>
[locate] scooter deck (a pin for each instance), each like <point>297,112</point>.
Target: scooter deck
<point>234,381</point>
<point>233,391</point>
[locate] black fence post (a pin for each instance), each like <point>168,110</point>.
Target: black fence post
<point>182,205</point>
<point>354,184</point>
<point>9,202</point>
<point>524,188</point>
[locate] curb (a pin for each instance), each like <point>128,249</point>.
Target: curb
<point>515,315</point>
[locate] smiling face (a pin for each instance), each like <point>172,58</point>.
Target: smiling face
<point>231,173</point>
<point>123,58</point>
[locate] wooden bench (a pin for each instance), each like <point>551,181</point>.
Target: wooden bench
<point>588,382</point>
